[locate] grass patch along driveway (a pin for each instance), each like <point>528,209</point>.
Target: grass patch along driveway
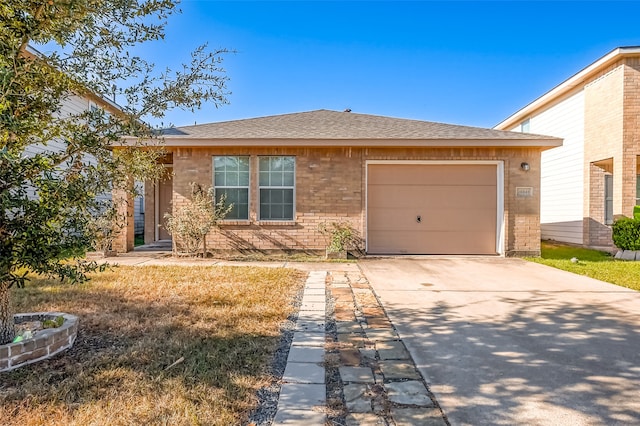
<point>135,322</point>
<point>592,263</point>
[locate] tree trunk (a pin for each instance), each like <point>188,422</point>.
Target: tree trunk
<point>7,326</point>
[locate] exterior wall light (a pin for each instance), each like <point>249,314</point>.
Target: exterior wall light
<point>524,166</point>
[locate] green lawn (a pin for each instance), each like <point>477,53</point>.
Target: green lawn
<point>592,263</point>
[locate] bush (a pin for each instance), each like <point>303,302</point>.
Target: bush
<point>189,224</point>
<point>340,236</point>
<point>626,233</point>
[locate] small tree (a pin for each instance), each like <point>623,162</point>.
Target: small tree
<point>190,223</point>
<point>48,199</point>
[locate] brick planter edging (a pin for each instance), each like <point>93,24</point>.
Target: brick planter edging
<point>44,343</point>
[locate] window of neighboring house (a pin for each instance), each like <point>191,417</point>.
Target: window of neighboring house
<point>231,180</point>
<point>525,126</point>
<point>608,199</point>
<point>101,116</point>
<point>277,187</point>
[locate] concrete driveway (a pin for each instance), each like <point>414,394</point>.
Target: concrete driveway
<point>505,341</point>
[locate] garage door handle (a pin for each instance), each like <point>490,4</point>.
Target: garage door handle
<point>419,219</point>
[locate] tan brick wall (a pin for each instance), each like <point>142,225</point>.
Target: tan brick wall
<point>631,134</point>
<point>123,201</point>
<point>594,225</point>
<point>331,186</point>
<point>612,120</point>
<point>603,136</point>
<point>328,188</point>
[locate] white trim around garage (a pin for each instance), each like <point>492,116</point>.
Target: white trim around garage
<point>500,225</point>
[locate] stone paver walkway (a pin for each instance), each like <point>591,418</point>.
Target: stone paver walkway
<point>379,380</point>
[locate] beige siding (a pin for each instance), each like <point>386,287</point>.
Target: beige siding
<point>75,105</point>
<point>562,176</point>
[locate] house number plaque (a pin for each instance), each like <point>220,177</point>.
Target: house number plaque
<point>524,192</point>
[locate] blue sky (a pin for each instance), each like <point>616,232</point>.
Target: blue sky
<point>471,63</point>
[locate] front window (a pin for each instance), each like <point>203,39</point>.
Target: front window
<point>277,187</point>
<point>608,199</point>
<point>231,180</point>
<point>525,126</point>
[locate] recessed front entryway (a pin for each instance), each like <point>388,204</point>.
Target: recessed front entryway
<point>433,208</point>
<point>164,197</point>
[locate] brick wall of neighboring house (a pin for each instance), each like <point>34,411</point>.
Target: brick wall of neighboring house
<point>594,225</point>
<point>611,131</point>
<point>330,186</point>
<point>603,136</point>
<point>631,133</point>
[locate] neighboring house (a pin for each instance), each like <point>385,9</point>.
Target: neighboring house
<point>75,105</point>
<point>593,177</point>
<point>405,186</point>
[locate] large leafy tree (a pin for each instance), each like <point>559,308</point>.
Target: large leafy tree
<point>48,197</point>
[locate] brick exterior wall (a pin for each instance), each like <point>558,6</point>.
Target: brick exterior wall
<point>123,200</point>
<point>331,186</point>
<point>611,132</point>
<point>631,133</point>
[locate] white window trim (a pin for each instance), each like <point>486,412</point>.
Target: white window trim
<point>499,191</point>
<point>248,187</point>
<point>293,188</point>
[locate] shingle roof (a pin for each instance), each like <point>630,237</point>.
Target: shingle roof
<point>333,125</point>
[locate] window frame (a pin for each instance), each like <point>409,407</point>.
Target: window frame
<point>247,187</point>
<point>291,187</point>
<point>608,199</point>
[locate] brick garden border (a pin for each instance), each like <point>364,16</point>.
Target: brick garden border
<point>44,344</point>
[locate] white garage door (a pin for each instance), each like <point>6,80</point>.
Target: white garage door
<point>431,208</point>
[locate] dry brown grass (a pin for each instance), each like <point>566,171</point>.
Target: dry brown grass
<point>137,321</point>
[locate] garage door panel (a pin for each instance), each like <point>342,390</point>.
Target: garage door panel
<point>478,242</point>
<point>457,204</point>
<point>433,220</point>
<point>444,196</point>
<point>432,175</point>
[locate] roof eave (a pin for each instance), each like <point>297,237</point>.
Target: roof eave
<point>567,85</point>
<point>364,143</point>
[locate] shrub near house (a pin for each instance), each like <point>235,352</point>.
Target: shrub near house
<point>626,233</point>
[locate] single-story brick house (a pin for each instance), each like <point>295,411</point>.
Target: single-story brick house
<point>405,186</point>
